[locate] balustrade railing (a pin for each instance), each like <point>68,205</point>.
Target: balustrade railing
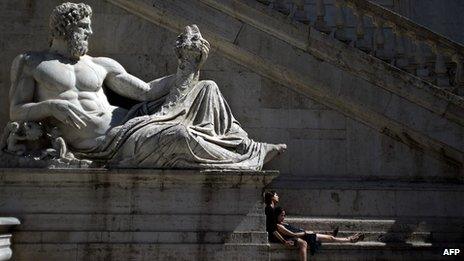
<point>410,47</point>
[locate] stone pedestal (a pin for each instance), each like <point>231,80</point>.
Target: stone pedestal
<point>134,214</point>
<point>6,223</point>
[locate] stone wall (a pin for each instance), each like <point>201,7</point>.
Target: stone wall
<point>322,142</point>
<point>134,214</point>
<point>442,16</point>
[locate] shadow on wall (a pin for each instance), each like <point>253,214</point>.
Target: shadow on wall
<point>439,234</point>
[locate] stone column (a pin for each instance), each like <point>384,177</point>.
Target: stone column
<point>441,72</point>
<point>361,42</point>
<point>340,21</point>
<point>459,76</point>
<point>320,24</point>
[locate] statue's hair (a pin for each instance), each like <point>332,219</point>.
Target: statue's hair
<point>65,16</point>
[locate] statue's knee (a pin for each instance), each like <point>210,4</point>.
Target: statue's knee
<point>182,132</point>
<point>210,85</point>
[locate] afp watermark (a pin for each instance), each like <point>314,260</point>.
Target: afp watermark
<point>451,251</point>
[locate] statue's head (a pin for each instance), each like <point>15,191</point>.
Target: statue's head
<point>71,22</point>
<point>190,43</point>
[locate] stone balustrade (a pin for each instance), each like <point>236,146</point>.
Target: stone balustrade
<point>412,47</point>
<point>5,236</point>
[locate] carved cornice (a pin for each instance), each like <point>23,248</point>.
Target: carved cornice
<point>140,177</point>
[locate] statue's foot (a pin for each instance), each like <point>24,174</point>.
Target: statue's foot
<point>273,150</point>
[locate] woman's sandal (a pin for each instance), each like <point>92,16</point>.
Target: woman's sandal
<point>356,237</point>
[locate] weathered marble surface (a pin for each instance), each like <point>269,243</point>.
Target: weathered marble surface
<point>126,214</point>
<point>181,122</point>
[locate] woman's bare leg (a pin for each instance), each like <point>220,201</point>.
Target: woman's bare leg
<point>328,238</point>
<point>302,248</point>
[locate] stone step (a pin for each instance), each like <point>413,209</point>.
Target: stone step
<point>384,225</point>
<point>186,237</point>
<point>396,237</point>
<point>378,236</point>
<point>369,251</point>
<point>385,230</point>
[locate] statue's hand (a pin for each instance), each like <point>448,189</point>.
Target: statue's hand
<point>204,49</point>
<point>68,113</point>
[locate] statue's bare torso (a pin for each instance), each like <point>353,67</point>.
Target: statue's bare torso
<point>81,84</point>
<point>48,77</point>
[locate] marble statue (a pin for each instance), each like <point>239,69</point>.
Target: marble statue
<point>15,133</point>
<point>180,122</point>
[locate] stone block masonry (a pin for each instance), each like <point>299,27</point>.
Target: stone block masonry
<point>135,214</point>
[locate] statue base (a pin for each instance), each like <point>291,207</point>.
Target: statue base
<point>136,214</point>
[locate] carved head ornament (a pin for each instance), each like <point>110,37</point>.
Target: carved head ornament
<point>189,44</point>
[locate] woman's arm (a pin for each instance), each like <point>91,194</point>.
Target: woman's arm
<point>282,239</point>
<point>287,232</point>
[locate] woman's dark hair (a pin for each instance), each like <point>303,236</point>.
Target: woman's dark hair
<point>277,212</point>
<point>268,197</point>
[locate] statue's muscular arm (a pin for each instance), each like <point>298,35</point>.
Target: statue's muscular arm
<point>132,87</point>
<point>23,107</point>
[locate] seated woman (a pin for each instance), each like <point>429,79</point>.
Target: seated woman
<point>271,199</point>
<point>303,239</point>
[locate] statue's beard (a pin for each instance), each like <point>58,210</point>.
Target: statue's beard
<point>78,45</point>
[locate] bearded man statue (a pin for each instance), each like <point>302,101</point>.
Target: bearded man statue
<point>180,122</point>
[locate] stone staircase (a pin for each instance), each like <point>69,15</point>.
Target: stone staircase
<point>384,34</point>
<point>385,239</point>
<point>402,220</point>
